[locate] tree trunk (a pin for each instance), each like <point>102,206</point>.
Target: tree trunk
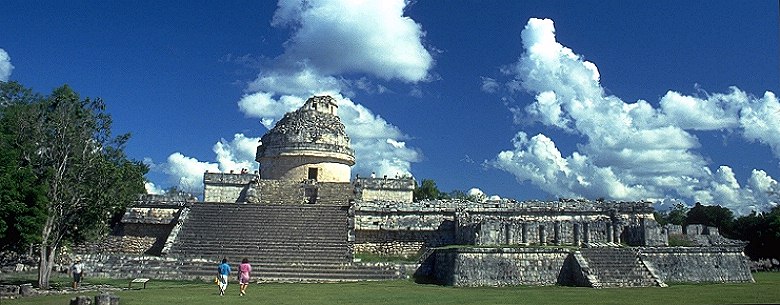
<point>44,269</point>
<point>50,240</point>
<point>48,254</point>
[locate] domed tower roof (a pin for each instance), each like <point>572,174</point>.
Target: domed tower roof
<point>313,134</point>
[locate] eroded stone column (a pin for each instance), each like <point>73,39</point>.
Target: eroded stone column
<point>609,232</point>
<point>542,235</point>
<point>576,233</point>
<point>524,233</point>
<point>586,232</point>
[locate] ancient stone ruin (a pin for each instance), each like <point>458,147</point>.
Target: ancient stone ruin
<point>303,217</point>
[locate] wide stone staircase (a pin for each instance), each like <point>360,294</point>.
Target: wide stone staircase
<point>282,242</point>
<point>616,267</point>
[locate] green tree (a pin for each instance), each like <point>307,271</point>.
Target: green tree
<point>675,216</point>
<point>22,198</point>
<point>67,145</point>
<point>710,215</point>
<point>761,231</point>
<point>427,190</point>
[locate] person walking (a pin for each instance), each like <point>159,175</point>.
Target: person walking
<point>76,270</point>
<point>243,275</point>
<point>223,271</point>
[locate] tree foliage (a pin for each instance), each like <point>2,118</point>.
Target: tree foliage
<point>710,215</point>
<point>22,197</point>
<point>760,230</point>
<point>64,146</point>
<point>675,216</point>
<point>427,190</point>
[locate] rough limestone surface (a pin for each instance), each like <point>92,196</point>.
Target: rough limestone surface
<point>399,228</point>
<point>498,266</point>
<point>384,189</point>
<point>227,187</point>
<point>269,191</point>
<point>699,264</point>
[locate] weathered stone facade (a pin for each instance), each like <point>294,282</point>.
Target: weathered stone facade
<point>227,187</point>
<point>247,188</point>
<point>412,227</point>
<point>699,264</point>
<point>498,266</point>
<point>385,189</point>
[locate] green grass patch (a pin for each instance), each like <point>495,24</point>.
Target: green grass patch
<point>406,292</point>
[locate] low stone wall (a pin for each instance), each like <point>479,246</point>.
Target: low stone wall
<point>118,266</point>
<point>699,264</point>
<point>401,243</point>
<point>498,266</point>
<point>119,244</point>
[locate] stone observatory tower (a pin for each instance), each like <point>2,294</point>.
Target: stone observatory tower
<point>307,144</point>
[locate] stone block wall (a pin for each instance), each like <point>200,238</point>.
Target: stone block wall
<point>698,264</point>
<point>401,242</point>
<point>385,189</point>
<point>498,266</point>
<point>389,228</point>
<point>337,193</point>
<point>292,192</point>
<point>226,187</point>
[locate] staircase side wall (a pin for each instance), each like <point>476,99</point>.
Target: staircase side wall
<point>576,272</point>
<point>699,264</point>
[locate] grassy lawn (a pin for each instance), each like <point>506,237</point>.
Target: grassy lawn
<point>765,290</point>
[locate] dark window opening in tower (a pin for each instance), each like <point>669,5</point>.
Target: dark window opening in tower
<point>312,173</point>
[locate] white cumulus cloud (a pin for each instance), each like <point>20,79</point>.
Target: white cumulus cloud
<point>341,37</point>
<point>329,39</point>
<point>344,36</point>
<point>631,151</point>
<point>5,66</point>
<point>186,173</point>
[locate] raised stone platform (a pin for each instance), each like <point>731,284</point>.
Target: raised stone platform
<point>594,267</point>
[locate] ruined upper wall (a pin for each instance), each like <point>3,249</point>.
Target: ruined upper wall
<point>385,189</point>
<point>226,187</point>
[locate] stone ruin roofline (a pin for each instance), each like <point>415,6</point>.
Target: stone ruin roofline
<point>385,183</point>
<point>164,200</point>
<point>530,206</point>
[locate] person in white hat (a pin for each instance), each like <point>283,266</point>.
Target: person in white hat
<point>76,270</point>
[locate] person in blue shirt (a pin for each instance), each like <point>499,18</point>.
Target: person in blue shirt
<point>222,276</point>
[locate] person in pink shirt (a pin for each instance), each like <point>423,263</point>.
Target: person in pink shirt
<point>243,275</point>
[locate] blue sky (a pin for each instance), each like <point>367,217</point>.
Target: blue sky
<point>655,100</point>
